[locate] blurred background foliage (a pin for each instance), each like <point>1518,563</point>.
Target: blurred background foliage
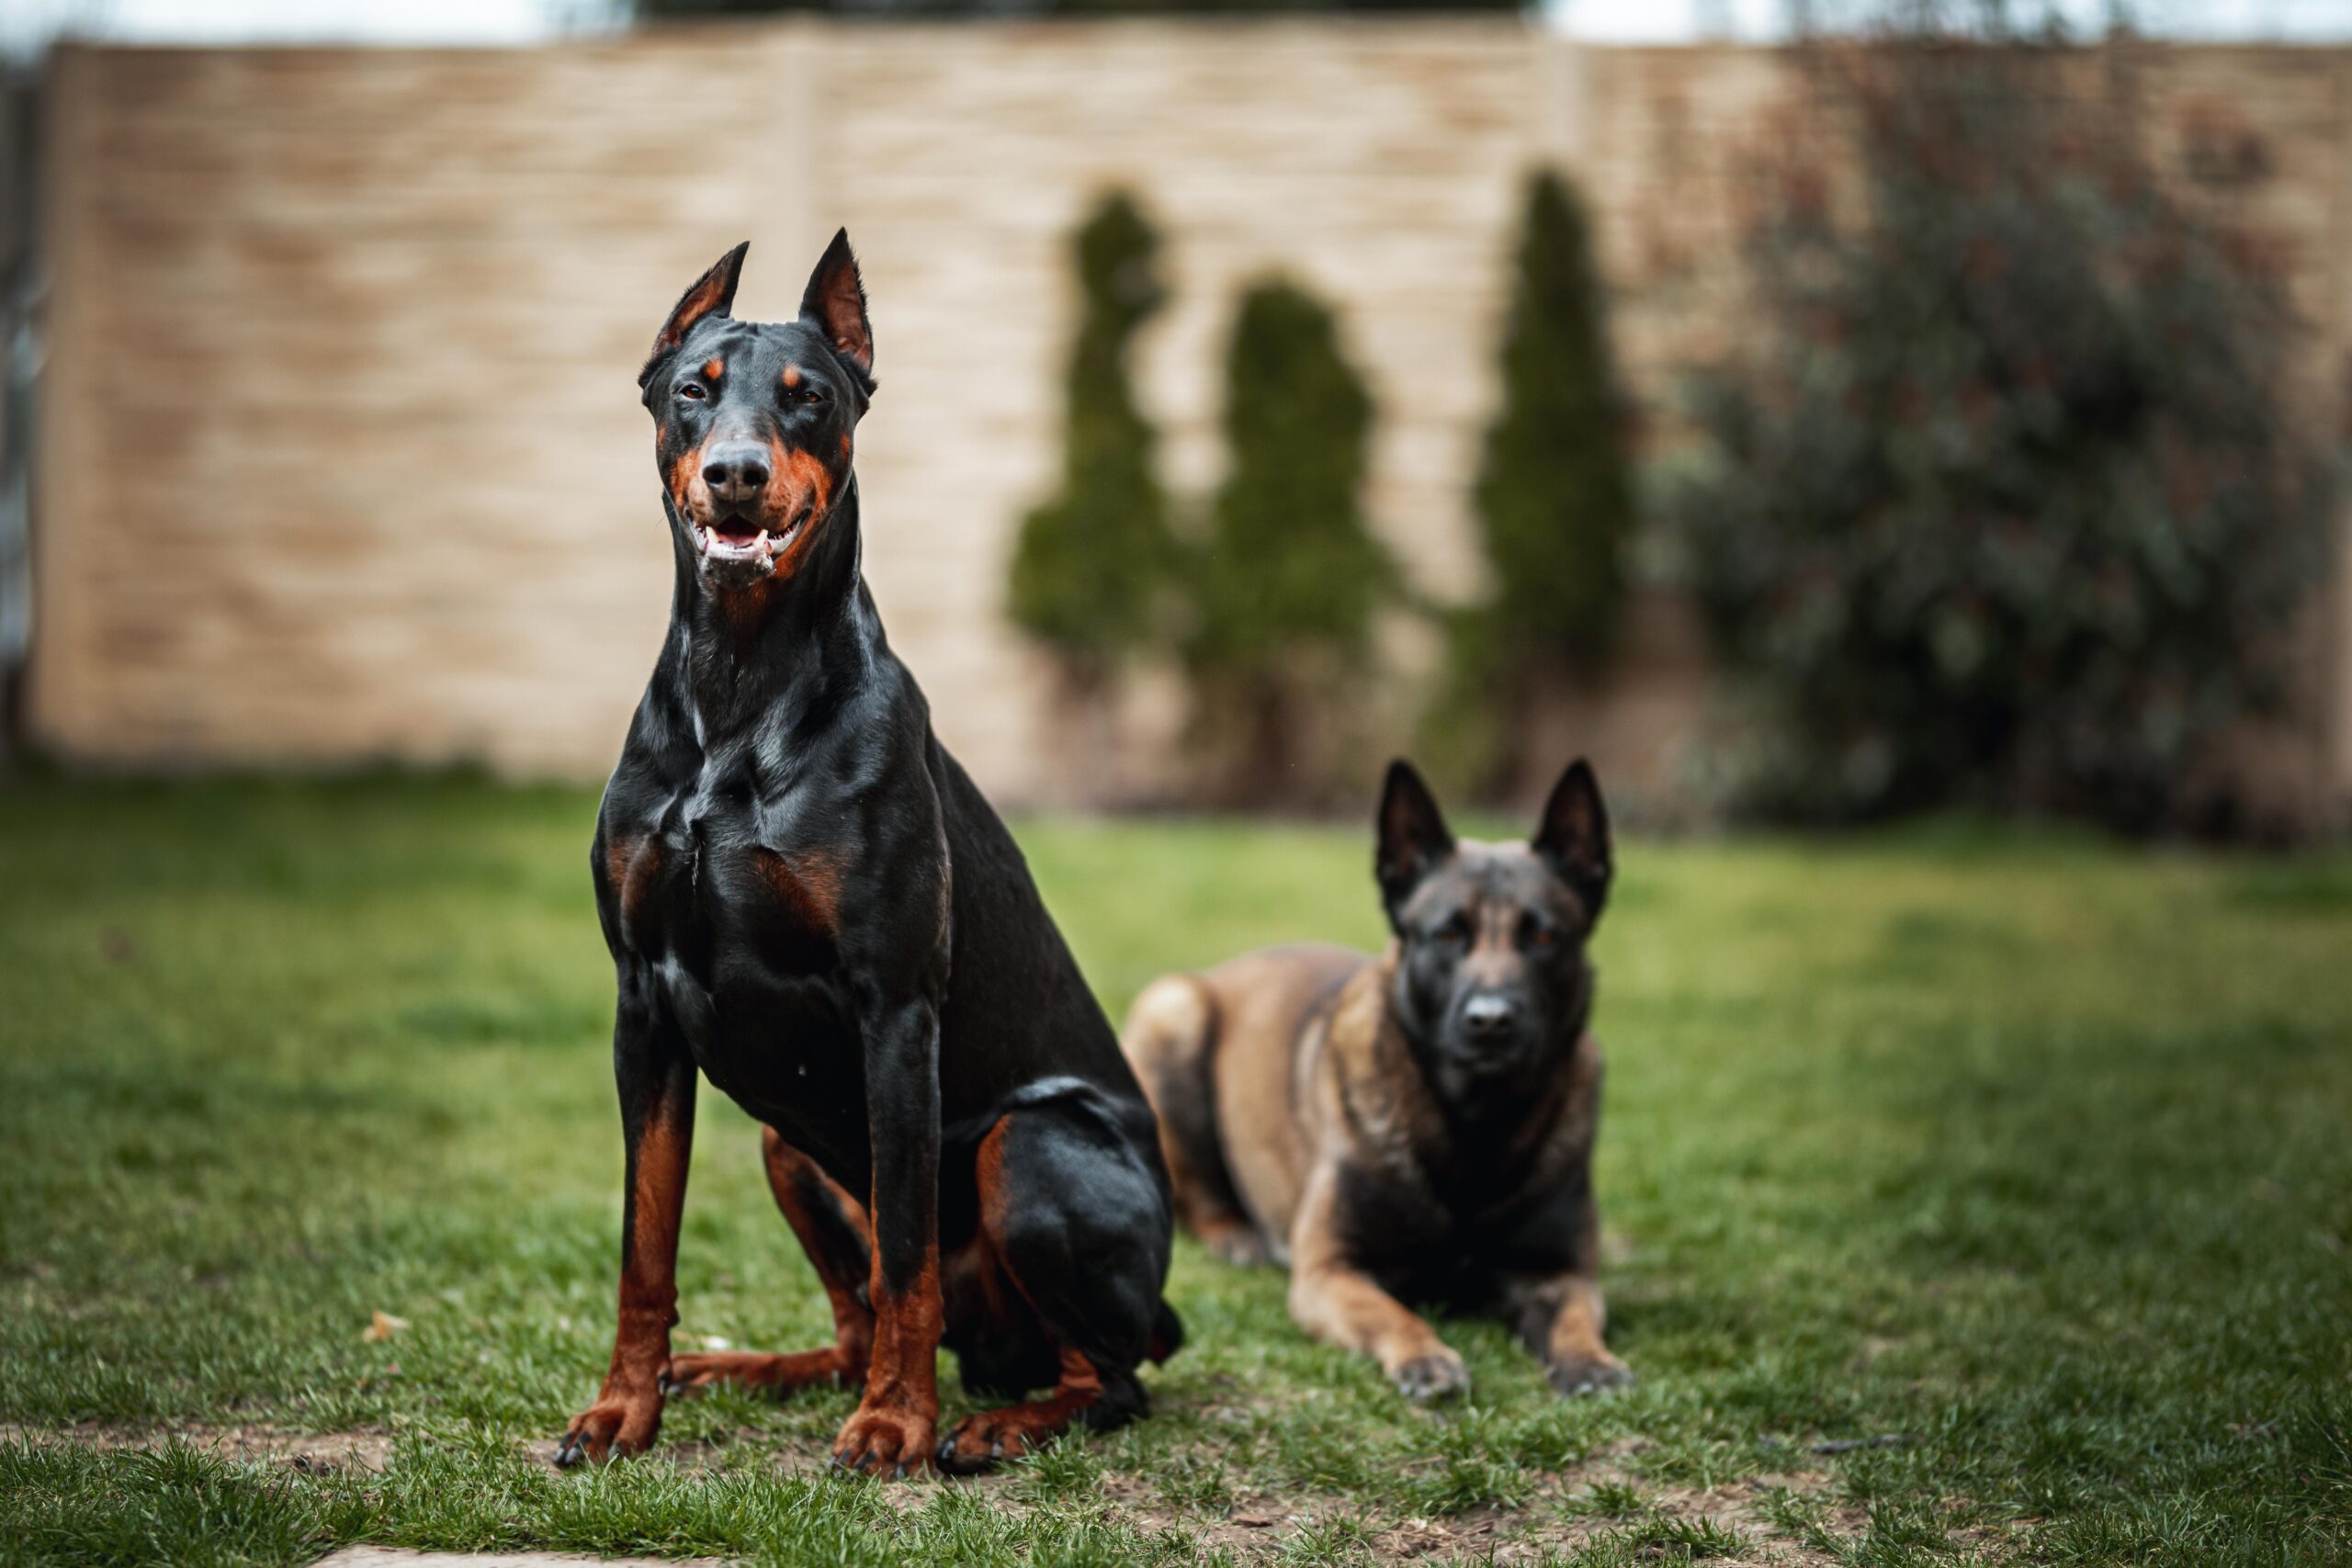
<point>1093,565</point>
<point>663,9</point>
<point>1554,502</point>
<point>1268,599</point>
<point>1289,580</point>
<point>2002,505</point>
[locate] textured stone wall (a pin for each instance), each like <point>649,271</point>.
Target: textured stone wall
<point>342,459</point>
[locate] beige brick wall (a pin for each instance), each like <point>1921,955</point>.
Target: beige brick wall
<point>343,458</point>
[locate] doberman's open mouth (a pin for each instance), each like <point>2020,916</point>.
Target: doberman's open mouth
<point>735,536</point>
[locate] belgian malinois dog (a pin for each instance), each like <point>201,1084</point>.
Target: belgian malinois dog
<point>1415,1126</point>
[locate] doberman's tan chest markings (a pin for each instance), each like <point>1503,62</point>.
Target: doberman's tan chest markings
<point>808,883</point>
<point>804,885</point>
<point>633,865</point>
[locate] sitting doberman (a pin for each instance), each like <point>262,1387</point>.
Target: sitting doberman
<point>809,902</point>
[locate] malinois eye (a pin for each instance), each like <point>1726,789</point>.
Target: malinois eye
<point>1541,936</point>
<point>1455,930</point>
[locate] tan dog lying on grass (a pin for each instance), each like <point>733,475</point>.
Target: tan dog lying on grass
<point>1415,1126</point>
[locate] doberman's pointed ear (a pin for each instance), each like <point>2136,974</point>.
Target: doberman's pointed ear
<point>713,294</point>
<point>835,304</point>
<point>1414,838</point>
<point>1573,837</point>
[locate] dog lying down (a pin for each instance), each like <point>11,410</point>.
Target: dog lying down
<point>1415,1126</point>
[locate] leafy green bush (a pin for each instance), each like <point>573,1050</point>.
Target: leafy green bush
<point>1093,565</point>
<point>1553,498</point>
<point>2007,507</point>
<point>1289,581</point>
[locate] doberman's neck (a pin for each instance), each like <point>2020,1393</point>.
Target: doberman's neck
<point>784,650</point>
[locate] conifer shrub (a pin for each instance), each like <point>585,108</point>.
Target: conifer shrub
<point>1289,581</point>
<point>1555,493</point>
<point>1554,502</point>
<point>1093,565</point>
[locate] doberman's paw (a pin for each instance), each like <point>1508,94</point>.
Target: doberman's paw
<point>1597,1373</point>
<point>980,1442</point>
<point>886,1440</point>
<point>1440,1374</point>
<point>615,1426</point>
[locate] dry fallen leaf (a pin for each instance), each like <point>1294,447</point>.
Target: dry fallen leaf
<point>384,1327</point>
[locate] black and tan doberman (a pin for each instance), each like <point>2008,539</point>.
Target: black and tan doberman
<point>809,904</point>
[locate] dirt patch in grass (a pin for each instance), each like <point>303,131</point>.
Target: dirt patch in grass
<point>314,1452</point>
<point>1727,1521</point>
<point>1785,1518</point>
<point>1755,1519</point>
<point>1790,1518</point>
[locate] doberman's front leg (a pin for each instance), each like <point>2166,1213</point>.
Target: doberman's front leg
<point>892,1428</point>
<point>656,1079</point>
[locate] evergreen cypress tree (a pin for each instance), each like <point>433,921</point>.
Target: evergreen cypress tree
<point>1088,571</point>
<point>1555,495</point>
<point>1554,503</point>
<point>1291,577</point>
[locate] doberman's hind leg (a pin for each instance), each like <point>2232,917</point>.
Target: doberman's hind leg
<point>1079,1395</point>
<point>1076,1228</point>
<point>1169,1038</point>
<point>832,1229</point>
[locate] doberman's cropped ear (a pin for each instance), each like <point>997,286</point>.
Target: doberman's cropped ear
<point>713,294</point>
<point>1414,838</point>
<point>835,305</point>
<point>1573,837</point>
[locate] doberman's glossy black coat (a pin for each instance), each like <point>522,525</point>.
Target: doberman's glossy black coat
<point>809,904</point>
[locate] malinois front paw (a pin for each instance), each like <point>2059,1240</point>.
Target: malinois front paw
<point>1440,1374</point>
<point>1596,1373</point>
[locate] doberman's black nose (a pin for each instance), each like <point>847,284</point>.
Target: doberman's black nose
<point>735,470</point>
<point>1488,1014</point>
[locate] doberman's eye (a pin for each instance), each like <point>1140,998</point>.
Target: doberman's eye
<point>1541,936</point>
<point>692,392</point>
<point>1455,930</point>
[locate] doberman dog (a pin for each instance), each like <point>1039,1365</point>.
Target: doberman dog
<point>809,902</point>
<point>1416,1126</point>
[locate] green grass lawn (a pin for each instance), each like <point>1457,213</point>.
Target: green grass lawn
<point>2029,1156</point>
